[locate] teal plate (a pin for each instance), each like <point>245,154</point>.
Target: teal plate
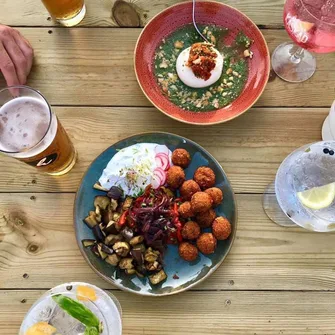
<point>182,275</point>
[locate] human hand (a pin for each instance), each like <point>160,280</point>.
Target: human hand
<point>16,56</point>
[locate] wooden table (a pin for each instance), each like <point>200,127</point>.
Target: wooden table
<point>275,280</point>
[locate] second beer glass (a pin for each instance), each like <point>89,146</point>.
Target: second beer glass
<point>66,12</point>
<point>31,132</point>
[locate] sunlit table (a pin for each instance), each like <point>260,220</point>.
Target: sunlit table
<point>275,280</point>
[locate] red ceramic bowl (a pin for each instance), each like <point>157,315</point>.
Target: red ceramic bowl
<point>207,12</point>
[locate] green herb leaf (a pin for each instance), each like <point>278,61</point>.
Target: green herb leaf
<point>91,331</point>
<point>78,311</point>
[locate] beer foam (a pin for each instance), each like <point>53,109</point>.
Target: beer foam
<point>24,122</point>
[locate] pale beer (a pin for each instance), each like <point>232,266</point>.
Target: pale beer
<point>67,12</point>
<point>31,132</point>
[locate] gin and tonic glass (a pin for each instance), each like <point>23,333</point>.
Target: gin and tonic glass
<point>304,189</point>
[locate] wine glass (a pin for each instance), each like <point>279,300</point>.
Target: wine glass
<point>311,25</point>
<point>304,189</point>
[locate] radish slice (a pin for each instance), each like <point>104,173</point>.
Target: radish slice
<point>165,160</point>
<point>155,182</point>
<point>160,173</point>
<point>162,149</point>
<point>159,162</point>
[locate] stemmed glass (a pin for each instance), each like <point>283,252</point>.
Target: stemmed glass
<point>311,25</point>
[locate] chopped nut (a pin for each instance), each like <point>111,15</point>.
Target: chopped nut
<point>220,89</point>
<point>163,65</point>
<point>231,78</point>
<point>230,84</point>
<point>229,71</point>
<point>208,94</point>
<point>225,80</point>
<point>213,39</point>
<point>248,53</point>
<point>179,44</point>
<point>224,94</point>
<point>235,73</point>
<point>239,76</point>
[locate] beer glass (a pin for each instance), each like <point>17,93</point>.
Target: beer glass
<point>66,12</point>
<point>31,132</point>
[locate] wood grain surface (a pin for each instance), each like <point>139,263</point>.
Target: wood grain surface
<point>212,312</point>
<point>99,13</point>
<point>275,281</point>
<point>83,66</point>
<point>38,247</point>
<point>250,148</point>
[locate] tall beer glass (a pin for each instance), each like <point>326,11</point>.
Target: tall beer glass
<point>67,12</point>
<point>31,132</point>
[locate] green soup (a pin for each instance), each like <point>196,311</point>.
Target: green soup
<point>221,93</point>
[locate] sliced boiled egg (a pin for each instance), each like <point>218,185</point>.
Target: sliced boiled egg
<point>187,75</point>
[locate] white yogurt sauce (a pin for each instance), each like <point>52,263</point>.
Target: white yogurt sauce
<point>132,168</point>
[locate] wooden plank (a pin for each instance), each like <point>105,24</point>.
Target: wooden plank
<point>250,148</point>
<point>229,313</point>
<point>38,248</point>
<point>99,13</point>
<point>85,66</point>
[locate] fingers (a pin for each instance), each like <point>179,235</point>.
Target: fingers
<point>26,49</point>
<point>7,67</point>
<point>16,56</point>
<point>18,59</point>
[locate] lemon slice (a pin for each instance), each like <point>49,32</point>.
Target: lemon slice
<point>318,197</point>
<point>41,328</point>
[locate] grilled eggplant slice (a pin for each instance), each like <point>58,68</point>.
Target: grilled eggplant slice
<point>157,277</point>
<point>102,201</point>
<point>91,220</point>
<point>113,259</point>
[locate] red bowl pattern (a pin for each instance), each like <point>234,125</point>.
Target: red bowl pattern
<point>207,12</point>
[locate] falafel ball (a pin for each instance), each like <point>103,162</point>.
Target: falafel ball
<point>188,251</point>
<point>206,243</point>
<point>205,177</point>
<point>216,194</point>
<point>175,176</point>
<point>185,210</point>
<point>190,231</point>
<point>221,228</point>
<point>206,219</point>
<point>201,202</point>
<point>181,157</point>
<point>188,188</point>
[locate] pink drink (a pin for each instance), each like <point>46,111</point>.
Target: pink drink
<point>311,24</point>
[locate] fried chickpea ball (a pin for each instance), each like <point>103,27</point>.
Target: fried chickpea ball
<point>206,219</point>
<point>188,251</point>
<point>221,228</point>
<point>190,231</point>
<point>205,177</point>
<point>188,188</point>
<point>181,157</point>
<point>185,210</point>
<point>216,194</point>
<point>206,243</point>
<point>175,176</point>
<point>201,202</point>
